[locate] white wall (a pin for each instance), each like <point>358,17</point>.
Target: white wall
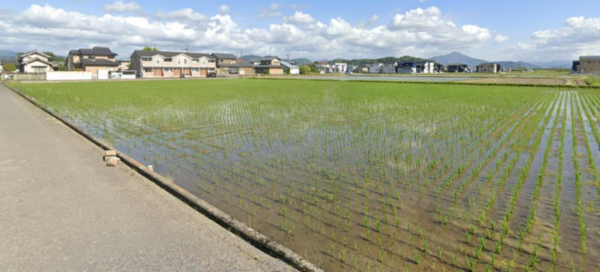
<point>69,76</point>
<point>294,71</point>
<point>388,69</point>
<point>375,68</point>
<point>28,68</point>
<point>102,74</point>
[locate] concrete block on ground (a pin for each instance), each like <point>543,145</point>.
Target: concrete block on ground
<point>110,153</point>
<point>112,161</point>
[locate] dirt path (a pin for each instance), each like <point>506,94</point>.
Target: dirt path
<point>61,209</point>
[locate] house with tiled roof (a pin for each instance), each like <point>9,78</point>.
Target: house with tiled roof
<point>91,60</point>
<point>35,62</point>
<point>166,64</point>
<point>229,64</point>
<point>270,65</point>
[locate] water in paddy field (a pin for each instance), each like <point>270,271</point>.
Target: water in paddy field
<point>391,181</point>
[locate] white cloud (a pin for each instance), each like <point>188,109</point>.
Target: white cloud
<point>120,6</point>
<point>224,9</point>
<point>418,32</point>
<point>300,17</point>
<point>500,38</point>
<point>369,22</point>
<point>182,14</point>
<point>578,36</point>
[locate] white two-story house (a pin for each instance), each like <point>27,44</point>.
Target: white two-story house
<point>35,62</point>
<point>162,64</point>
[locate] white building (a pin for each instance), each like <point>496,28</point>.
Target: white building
<point>35,62</point>
<point>417,67</point>
<point>375,68</point>
<point>294,70</point>
<point>389,68</point>
<point>340,67</point>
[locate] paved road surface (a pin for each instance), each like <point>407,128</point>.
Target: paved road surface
<point>61,209</point>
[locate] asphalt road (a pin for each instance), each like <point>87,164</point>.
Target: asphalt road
<point>62,209</point>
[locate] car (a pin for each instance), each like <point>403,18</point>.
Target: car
<point>212,74</point>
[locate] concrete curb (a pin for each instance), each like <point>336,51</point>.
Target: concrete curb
<point>252,236</point>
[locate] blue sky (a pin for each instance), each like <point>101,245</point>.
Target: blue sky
<point>492,30</point>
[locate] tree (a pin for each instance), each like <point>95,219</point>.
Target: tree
<point>9,67</point>
<point>313,68</point>
<point>148,48</point>
<point>304,70</point>
<point>53,57</point>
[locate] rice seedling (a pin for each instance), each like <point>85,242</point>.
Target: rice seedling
<point>335,162</point>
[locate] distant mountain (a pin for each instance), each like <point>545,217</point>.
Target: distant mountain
<point>250,57</point>
<point>558,64</point>
<point>456,57</point>
<point>357,62</point>
<point>517,64</point>
<point>7,54</point>
<point>302,61</point>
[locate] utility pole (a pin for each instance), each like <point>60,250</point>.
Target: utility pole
<point>187,48</point>
<point>288,55</point>
<point>241,54</point>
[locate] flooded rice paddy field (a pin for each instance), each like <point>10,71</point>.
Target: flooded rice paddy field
<point>371,176</point>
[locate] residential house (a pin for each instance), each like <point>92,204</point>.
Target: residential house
<point>229,64</point>
<point>588,65</point>
<point>489,68</point>
<point>438,68</point>
<point>270,65</point>
<point>294,69</point>
<point>164,64</point>
<point>388,68</point>
<point>458,68</point>
<point>363,68</point>
<point>419,67</point>
<point>35,62</point>
<point>91,60</point>
<point>340,67</point>
<point>123,65</point>
<point>575,67</point>
<point>322,66</point>
<point>375,68</point>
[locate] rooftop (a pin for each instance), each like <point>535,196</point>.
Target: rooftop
<point>98,62</point>
<point>170,54</point>
<point>224,56</point>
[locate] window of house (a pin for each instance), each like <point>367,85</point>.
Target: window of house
<point>157,61</point>
<point>233,71</point>
<point>203,62</point>
<point>185,61</point>
<point>146,59</point>
<point>194,60</point>
<point>168,70</point>
<point>91,57</point>
<point>147,70</point>
<point>168,59</point>
<point>211,61</point>
<point>195,69</point>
